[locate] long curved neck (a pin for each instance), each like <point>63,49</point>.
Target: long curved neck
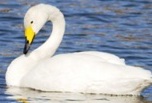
<point>47,49</point>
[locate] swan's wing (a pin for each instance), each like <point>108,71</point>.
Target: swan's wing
<point>106,57</point>
<point>76,73</point>
<point>125,86</point>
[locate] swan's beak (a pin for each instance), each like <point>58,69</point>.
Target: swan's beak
<point>29,37</point>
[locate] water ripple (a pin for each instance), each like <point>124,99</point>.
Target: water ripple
<point>119,27</point>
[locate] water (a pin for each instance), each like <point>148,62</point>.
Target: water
<point>121,27</point>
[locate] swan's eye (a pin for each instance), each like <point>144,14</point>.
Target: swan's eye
<point>31,22</point>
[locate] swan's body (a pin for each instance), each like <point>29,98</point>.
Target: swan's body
<point>86,72</point>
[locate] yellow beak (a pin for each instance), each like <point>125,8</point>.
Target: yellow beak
<point>29,37</point>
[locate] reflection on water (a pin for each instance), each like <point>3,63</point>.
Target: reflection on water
<point>31,96</point>
<point>121,27</point>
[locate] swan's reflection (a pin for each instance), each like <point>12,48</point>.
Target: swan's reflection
<point>30,96</point>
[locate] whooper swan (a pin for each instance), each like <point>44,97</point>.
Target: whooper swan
<point>84,72</point>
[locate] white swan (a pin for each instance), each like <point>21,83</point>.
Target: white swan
<point>85,72</point>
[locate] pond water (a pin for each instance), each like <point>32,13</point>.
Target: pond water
<point>121,27</point>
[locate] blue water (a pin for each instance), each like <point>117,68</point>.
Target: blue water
<point>121,27</point>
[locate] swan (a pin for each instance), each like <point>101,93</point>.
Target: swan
<point>79,72</point>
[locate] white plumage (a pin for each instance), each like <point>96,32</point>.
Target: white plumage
<point>85,72</point>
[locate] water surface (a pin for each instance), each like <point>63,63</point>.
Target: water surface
<point>123,28</point>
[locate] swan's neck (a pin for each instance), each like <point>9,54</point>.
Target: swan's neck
<point>47,49</point>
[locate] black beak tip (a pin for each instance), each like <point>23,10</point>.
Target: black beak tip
<point>25,52</point>
<point>26,47</point>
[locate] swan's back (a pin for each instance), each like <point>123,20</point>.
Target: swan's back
<point>105,57</point>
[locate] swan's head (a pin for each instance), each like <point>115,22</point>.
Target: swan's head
<point>34,20</point>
